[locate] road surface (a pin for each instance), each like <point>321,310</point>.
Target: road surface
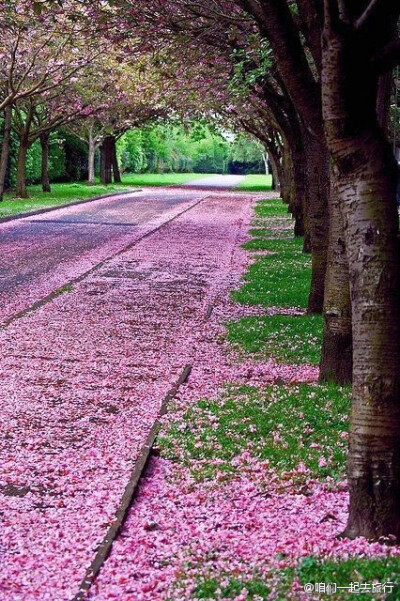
<point>219,181</point>
<point>42,253</point>
<point>83,376</point>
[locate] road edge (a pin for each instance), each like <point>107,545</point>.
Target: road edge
<point>74,203</point>
<point>104,548</point>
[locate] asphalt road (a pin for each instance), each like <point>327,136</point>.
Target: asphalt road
<point>219,181</point>
<point>41,253</point>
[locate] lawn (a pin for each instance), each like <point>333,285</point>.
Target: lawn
<point>60,194</point>
<point>256,183</point>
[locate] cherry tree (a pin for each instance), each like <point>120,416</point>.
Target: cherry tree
<point>139,95</point>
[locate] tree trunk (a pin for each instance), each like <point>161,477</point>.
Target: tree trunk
<point>21,190</point>
<point>317,211</point>
<point>276,183</point>
<point>115,166</point>
<point>106,161</point>
<point>5,148</point>
<point>367,195</point>
<point>266,163</point>
<point>337,351</point>
<point>300,184</point>
<point>91,158</point>
<point>44,142</point>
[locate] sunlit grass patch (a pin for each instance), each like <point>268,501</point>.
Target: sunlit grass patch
<point>271,208</point>
<point>162,179</point>
<point>285,425</point>
<point>71,192</point>
<point>286,338</point>
<point>281,279</point>
<point>254,183</point>
<point>345,575</point>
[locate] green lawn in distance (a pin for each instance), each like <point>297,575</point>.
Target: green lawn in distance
<point>256,183</point>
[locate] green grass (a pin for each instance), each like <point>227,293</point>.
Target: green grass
<point>343,573</point>
<point>60,194</point>
<point>271,208</point>
<point>284,424</point>
<point>255,183</point>
<point>213,589</point>
<point>311,571</point>
<point>281,279</point>
<point>286,338</point>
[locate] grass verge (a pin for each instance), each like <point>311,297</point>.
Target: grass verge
<point>60,194</point>
<point>162,179</point>
<point>285,425</point>
<point>278,279</point>
<point>286,338</point>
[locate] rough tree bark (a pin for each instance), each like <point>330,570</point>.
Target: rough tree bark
<point>337,350</point>
<point>317,211</point>
<point>106,161</point>
<point>21,189</point>
<point>5,148</point>
<point>44,142</point>
<point>366,191</point>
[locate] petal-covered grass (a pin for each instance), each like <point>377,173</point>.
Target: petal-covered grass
<point>286,338</point>
<point>286,426</point>
<point>381,574</point>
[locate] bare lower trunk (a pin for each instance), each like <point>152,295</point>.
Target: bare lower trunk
<point>276,182</point>
<point>115,166</point>
<point>106,161</point>
<point>5,148</point>
<point>337,350</point>
<point>91,158</point>
<point>372,238</point>
<point>44,142</point>
<point>266,162</point>
<point>317,211</point>
<point>21,190</point>
<point>300,191</point>
<point>288,191</point>
<point>367,193</point>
